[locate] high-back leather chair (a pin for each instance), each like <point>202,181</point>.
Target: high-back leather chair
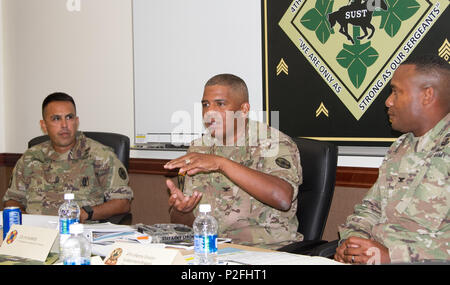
<point>121,147</point>
<point>319,163</point>
<point>118,142</point>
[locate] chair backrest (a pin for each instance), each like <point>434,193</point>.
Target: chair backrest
<point>319,162</point>
<point>118,142</point>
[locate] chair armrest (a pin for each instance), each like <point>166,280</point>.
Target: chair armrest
<point>305,247</point>
<point>326,250</point>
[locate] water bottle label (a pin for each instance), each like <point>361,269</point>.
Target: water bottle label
<point>205,244</point>
<point>77,261</point>
<point>64,225</point>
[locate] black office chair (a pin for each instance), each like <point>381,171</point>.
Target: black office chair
<point>319,162</point>
<point>326,250</point>
<point>121,146</point>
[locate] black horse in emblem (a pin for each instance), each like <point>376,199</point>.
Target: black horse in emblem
<point>357,14</point>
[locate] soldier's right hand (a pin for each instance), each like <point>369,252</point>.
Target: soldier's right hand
<point>179,201</point>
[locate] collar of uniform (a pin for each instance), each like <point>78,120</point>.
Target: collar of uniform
<point>208,140</point>
<point>425,142</point>
<point>78,151</point>
<point>255,134</point>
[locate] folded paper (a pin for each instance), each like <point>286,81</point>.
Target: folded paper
<point>28,242</point>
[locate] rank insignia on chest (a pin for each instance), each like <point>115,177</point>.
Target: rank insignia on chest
<point>85,181</point>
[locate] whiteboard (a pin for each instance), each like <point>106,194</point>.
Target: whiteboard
<point>179,45</point>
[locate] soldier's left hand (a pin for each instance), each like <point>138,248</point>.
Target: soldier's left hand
<point>193,163</point>
<point>365,251</point>
<point>180,202</point>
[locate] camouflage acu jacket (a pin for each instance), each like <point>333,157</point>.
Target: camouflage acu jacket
<point>407,209</point>
<point>240,216</point>
<point>90,170</point>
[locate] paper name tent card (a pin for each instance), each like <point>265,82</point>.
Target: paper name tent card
<point>123,253</point>
<point>28,242</point>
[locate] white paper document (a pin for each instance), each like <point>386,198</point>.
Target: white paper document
<point>42,221</point>
<point>231,255</point>
<point>97,233</point>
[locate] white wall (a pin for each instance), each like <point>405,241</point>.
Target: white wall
<point>174,38</point>
<point>87,54</point>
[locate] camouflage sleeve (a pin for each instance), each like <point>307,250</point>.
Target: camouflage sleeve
<point>364,216</point>
<point>425,231</point>
<point>113,177</point>
<point>285,164</point>
<point>410,246</point>
<point>419,228</point>
<point>17,187</point>
<point>368,213</point>
<point>185,181</point>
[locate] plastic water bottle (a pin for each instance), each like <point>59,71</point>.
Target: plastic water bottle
<point>69,213</point>
<point>205,237</point>
<point>77,249</point>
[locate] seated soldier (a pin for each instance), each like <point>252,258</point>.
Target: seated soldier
<point>68,163</point>
<point>405,215</point>
<point>250,180</point>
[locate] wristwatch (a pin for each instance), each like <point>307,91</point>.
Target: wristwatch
<point>89,211</point>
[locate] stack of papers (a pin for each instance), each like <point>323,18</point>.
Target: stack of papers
<point>102,236</point>
<point>272,258</point>
<point>190,244</point>
<point>106,232</point>
<point>235,256</point>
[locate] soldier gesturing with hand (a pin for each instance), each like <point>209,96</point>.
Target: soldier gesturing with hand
<point>251,185</point>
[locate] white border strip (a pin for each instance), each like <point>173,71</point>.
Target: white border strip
<point>2,86</point>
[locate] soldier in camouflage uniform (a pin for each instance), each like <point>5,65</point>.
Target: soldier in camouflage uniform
<point>249,173</point>
<point>68,163</point>
<point>405,215</point>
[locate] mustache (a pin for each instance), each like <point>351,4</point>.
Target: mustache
<point>64,131</point>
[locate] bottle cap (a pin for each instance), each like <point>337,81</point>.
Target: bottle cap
<point>69,196</point>
<point>205,208</point>
<point>76,228</point>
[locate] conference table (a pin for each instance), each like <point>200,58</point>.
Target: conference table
<point>236,254</point>
<point>228,253</point>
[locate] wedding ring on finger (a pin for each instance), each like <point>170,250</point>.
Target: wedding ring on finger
<point>187,161</point>
<point>353,259</point>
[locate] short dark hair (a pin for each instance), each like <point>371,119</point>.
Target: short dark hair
<point>57,96</point>
<point>436,67</point>
<point>428,62</point>
<point>236,83</point>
